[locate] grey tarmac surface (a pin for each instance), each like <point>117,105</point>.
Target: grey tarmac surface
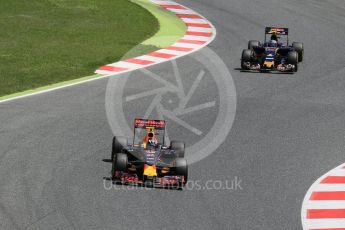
<point>288,131</point>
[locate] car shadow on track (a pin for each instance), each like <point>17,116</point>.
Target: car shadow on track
<point>263,71</point>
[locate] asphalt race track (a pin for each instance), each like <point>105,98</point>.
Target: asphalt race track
<point>288,131</point>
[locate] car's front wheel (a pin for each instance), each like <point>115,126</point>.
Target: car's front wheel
<point>245,58</point>
<point>292,58</point>
<point>120,163</point>
<point>181,169</point>
<point>298,46</point>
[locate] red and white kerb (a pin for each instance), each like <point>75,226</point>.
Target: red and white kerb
<point>324,205</point>
<point>200,32</point>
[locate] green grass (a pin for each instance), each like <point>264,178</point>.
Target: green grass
<point>171,27</point>
<point>43,42</point>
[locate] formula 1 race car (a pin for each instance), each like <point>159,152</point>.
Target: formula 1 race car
<point>147,161</point>
<point>273,55</point>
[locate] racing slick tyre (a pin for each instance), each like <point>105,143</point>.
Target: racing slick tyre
<point>292,58</point>
<point>179,147</point>
<point>120,162</point>
<point>118,144</point>
<point>182,169</point>
<point>246,57</point>
<point>298,46</point>
<point>113,169</point>
<point>253,43</point>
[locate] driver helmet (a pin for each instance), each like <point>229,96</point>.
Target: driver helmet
<point>274,37</point>
<point>151,143</point>
<point>150,139</point>
<point>273,43</point>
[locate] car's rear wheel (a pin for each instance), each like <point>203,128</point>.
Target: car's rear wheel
<point>298,46</point>
<point>292,58</point>
<point>246,57</point>
<point>182,169</point>
<point>178,147</point>
<point>118,144</point>
<point>253,43</point>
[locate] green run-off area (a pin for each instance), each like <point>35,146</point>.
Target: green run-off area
<point>43,42</point>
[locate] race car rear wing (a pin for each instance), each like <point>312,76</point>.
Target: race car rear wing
<point>277,31</point>
<point>145,123</point>
<point>155,126</point>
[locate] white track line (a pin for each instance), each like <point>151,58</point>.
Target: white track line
<point>193,43</point>
<point>199,29</point>
<point>329,204</point>
<point>330,187</point>
<point>324,224</point>
<point>194,20</point>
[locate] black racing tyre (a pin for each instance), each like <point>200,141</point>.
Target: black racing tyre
<point>113,169</point>
<point>246,57</point>
<point>298,46</point>
<point>182,168</point>
<point>253,43</point>
<point>118,144</point>
<point>292,58</point>
<point>179,147</point>
<point>120,162</point>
